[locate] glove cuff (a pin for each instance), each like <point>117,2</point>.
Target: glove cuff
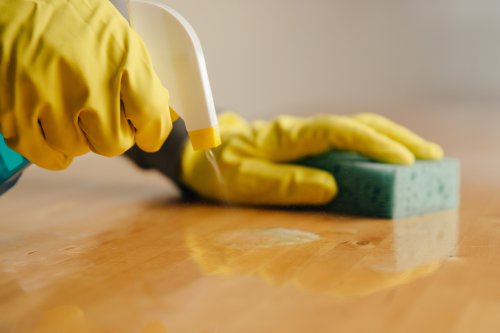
<point>168,159</point>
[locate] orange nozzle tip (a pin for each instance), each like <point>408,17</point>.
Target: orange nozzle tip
<point>205,138</point>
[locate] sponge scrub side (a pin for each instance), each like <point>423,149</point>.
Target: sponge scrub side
<point>386,190</point>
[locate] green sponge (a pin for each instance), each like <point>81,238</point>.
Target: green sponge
<point>387,190</point>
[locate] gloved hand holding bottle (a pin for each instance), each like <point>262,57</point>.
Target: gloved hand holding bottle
<point>74,77</point>
<point>256,159</point>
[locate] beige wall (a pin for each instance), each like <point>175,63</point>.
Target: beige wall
<point>290,56</point>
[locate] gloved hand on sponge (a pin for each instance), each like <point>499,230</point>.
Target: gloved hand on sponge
<point>256,159</point>
<point>75,77</point>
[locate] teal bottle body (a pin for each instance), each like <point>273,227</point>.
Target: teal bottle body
<point>12,165</point>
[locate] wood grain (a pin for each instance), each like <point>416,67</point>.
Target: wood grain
<point>104,247</point>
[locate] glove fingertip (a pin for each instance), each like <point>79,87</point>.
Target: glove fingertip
<point>151,135</point>
<point>433,152</point>
<point>328,192</point>
<point>319,189</point>
<point>406,159</point>
<point>402,156</point>
<point>151,144</point>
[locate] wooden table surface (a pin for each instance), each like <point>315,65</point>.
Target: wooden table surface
<point>105,248</point>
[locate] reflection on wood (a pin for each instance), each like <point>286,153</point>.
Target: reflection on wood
<point>343,259</point>
<point>108,249</point>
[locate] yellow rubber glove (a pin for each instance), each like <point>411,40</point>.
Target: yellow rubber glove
<point>252,157</point>
<point>75,77</point>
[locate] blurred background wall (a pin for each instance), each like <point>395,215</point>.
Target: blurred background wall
<point>267,57</point>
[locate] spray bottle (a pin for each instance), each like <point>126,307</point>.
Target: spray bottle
<point>11,166</point>
<point>179,62</point>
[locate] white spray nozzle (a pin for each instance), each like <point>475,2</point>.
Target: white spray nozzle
<point>179,62</point>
